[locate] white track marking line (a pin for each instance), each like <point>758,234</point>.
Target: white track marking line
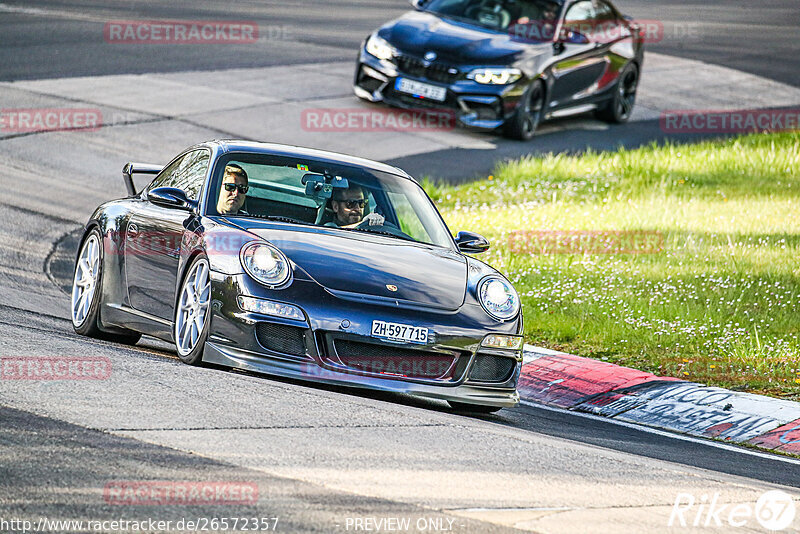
<point>667,434</point>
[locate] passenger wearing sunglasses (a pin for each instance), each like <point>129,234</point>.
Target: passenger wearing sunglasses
<point>348,209</point>
<point>233,190</point>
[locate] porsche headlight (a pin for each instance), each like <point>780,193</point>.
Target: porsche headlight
<point>265,263</point>
<point>498,298</point>
<point>379,48</point>
<point>498,76</point>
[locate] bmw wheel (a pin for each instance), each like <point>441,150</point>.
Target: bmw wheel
<point>87,284</point>
<point>192,315</point>
<point>522,125</point>
<point>620,108</point>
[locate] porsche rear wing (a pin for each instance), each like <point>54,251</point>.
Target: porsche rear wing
<point>137,168</point>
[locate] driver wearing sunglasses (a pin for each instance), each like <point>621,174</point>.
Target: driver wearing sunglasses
<point>233,191</point>
<point>348,209</point>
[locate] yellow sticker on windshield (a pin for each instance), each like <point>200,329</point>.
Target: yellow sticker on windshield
<point>302,167</point>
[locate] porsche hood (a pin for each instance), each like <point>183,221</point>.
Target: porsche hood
<point>371,265</point>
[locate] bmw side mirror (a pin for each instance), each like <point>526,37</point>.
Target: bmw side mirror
<point>572,37</point>
<point>171,197</point>
<point>471,243</point>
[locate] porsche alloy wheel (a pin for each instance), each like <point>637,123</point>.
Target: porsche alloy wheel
<point>84,286</point>
<point>87,287</point>
<point>191,314</point>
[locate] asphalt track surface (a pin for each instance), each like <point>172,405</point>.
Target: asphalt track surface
<point>318,455</point>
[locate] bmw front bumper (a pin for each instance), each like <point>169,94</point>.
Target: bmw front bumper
<point>475,105</point>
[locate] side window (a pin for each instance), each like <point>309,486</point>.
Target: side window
<point>191,173</point>
<point>409,220</point>
<point>604,13</point>
<point>187,173</point>
<point>580,17</point>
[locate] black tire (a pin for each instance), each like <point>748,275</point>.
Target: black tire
<point>620,108</point>
<point>473,408</point>
<point>194,356</point>
<point>522,125</point>
<point>87,322</point>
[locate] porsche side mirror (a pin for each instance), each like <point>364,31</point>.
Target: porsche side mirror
<point>171,197</point>
<point>471,243</point>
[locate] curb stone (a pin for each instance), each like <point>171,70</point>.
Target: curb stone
<point>586,385</point>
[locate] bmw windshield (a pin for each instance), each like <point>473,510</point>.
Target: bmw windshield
<point>322,194</point>
<point>500,15</point>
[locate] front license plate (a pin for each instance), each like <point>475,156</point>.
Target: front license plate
<point>399,332</point>
<point>420,90</point>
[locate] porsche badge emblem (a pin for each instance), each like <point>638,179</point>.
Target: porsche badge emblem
<point>390,287</point>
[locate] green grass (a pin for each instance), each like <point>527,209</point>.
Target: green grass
<point>718,304</point>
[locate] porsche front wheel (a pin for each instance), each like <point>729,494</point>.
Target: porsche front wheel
<point>192,315</point>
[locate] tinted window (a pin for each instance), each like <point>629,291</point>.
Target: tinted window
<point>604,13</point>
<point>502,15</point>
<point>283,189</point>
<point>579,14</point>
<point>187,173</point>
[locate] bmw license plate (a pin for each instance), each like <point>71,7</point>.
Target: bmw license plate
<point>420,90</point>
<point>399,332</point>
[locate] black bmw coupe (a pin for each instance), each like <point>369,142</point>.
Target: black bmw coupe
<point>303,264</point>
<point>505,64</point>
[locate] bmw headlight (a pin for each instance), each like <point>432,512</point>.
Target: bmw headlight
<point>379,48</point>
<point>498,76</point>
<point>265,263</point>
<point>498,298</point>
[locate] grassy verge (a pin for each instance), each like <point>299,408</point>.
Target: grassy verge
<point>717,302</point>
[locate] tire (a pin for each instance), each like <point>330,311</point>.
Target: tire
<point>87,284</point>
<point>473,408</point>
<point>620,108</point>
<point>193,312</point>
<point>522,125</point>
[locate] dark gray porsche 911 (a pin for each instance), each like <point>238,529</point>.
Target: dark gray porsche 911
<point>303,264</point>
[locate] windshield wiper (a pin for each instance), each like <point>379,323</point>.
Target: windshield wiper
<point>280,218</point>
<point>385,232</point>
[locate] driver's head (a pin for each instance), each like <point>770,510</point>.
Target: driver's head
<point>232,191</point>
<point>348,205</point>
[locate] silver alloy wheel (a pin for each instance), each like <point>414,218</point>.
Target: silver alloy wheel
<point>84,283</point>
<point>192,313</point>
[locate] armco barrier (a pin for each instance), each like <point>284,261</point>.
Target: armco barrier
<point>601,388</point>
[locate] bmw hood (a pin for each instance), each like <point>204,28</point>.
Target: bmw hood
<point>363,265</point>
<point>456,42</point>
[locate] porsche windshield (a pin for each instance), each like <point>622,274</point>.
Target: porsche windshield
<point>310,193</point>
<point>500,15</point>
